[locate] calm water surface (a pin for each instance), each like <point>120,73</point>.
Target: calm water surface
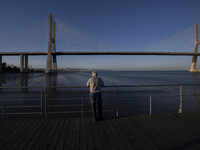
<point>128,101</point>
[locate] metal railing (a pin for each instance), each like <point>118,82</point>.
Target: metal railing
<point>23,91</point>
<point>83,102</point>
<point>51,103</point>
<point>179,95</point>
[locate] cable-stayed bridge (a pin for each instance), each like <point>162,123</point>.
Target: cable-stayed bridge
<point>65,39</point>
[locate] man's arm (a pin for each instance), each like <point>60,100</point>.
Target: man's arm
<point>88,83</point>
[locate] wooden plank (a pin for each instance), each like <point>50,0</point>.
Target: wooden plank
<point>89,137</point>
<point>143,139</point>
<point>187,131</point>
<point>132,135</point>
<point>112,143</point>
<point>56,135</point>
<point>151,130</point>
<point>30,133</point>
<point>75,141</point>
<point>173,130</point>
<point>116,137</point>
<point>127,144</point>
<point>136,132</point>
<point>70,135</point>
<point>11,128</point>
<point>42,137</point>
<point>30,141</point>
<point>159,127</point>
<point>61,141</point>
<point>189,124</point>
<point>167,130</point>
<point>5,124</point>
<point>190,120</point>
<point>186,134</point>
<point>50,134</point>
<point>16,133</point>
<point>8,128</point>
<point>102,135</point>
<point>97,141</point>
<point>22,137</point>
<point>83,142</point>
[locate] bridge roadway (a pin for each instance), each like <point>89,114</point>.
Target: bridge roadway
<point>24,57</point>
<point>156,132</point>
<point>101,53</point>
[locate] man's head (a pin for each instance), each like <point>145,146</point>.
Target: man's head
<point>94,74</point>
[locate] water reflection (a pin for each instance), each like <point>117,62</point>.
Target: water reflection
<point>130,100</point>
<point>51,79</point>
<point>24,81</point>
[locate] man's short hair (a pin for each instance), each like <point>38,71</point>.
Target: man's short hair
<point>94,72</point>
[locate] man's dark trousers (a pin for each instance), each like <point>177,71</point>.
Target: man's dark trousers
<point>95,98</point>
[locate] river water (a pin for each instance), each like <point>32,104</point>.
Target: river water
<point>122,100</point>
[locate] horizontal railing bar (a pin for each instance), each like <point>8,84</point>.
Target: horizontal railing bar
<point>75,105</point>
<point>158,85</point>
<point>65,112</point>
<point>64,105</point>
<point>107,86</point>
<point>36,106</point>
<point>77,111</point>
<point>23,113</point>
<point>165,108</point>
<point>190,95</point>
<point>23,53</point>
<point>88,98</point>
<point>22,99</point>
<point>19,87</point>
<point>55,99</point>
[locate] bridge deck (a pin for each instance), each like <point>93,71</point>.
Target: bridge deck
<point>170,131</point>
<point>103,53</point>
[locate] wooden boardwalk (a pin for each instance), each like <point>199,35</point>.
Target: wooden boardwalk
<point>156,132</point>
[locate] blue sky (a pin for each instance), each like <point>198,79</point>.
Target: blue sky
<point>127,24</point>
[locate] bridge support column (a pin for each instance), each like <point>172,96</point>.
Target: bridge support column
<point>21,63</point>
<point>26,63</point>
<point>0,63</point>
<point>54,47</point>
<point>193,67</point>
<point>23,66</point>
<point>49,55</point>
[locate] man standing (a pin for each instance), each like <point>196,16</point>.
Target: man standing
<point>95,83</point>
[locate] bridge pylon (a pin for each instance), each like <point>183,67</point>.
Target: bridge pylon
<point>49,67</point>
<point>193,67</point>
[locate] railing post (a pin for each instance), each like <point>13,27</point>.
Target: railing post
<point>41,103</point>
<point>45,104</point>
<point>197,102</point>
<point>82,107</point>
<point>117,109</point>
<point>3,109</point>
<point>181,100</point>
<point>150,106</point>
